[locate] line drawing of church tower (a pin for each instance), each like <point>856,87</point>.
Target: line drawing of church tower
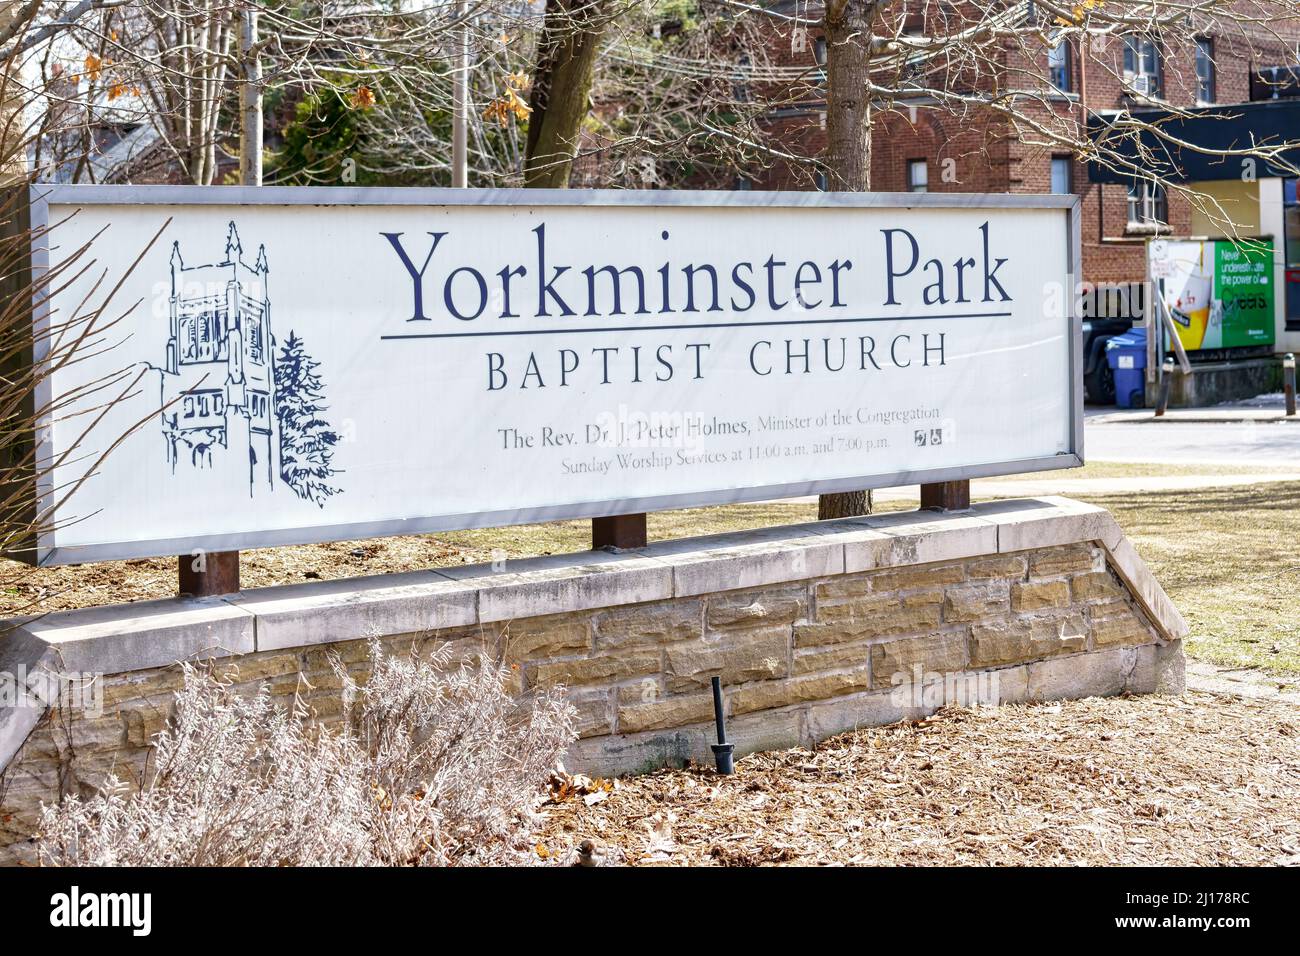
<point>218,383</point>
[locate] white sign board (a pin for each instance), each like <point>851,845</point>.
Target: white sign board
<point>319,364</point>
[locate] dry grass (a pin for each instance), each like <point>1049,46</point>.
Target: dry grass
<point>433,765</point>
<point>1128,469</point>
<point>74,586</point>
<point>1230,560</point>
<point>1122,781</point>
<point>65,588</point>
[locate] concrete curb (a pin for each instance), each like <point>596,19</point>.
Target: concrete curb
<point>1174,417</point>
<point>132,637</point>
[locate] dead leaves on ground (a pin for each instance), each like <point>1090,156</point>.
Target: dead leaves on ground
<point>1137,781</point>
<point>563,786</point>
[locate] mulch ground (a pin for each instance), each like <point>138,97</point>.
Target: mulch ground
<point>1199,780</point>
<point>26,590</point>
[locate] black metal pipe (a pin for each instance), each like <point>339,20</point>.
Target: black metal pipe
<point>717,710</point>
<point>1166,382</point>
<point>1288,383</point>
<point>723,752</point>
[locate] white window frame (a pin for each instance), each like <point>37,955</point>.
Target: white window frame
<point>1145,79</point>
<point>915,183</point>
<point>1060,51</point>
<point>1210,79</point>
<point>1066,163</point>
<point>1149,203</point>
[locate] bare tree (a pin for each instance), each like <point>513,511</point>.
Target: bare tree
<point>848,100</point>
<point>30,356</point>
<point>566,59</point>
<point>848,147</point>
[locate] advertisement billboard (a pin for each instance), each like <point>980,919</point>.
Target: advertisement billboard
<point>1218,292</point>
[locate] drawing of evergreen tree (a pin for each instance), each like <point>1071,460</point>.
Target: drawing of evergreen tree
<point>306,439</point>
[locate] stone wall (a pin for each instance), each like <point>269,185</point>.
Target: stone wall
<point>1217,382</point>
<point>814,630</point>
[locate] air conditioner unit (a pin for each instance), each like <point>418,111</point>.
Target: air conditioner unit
<point>1141,84</point>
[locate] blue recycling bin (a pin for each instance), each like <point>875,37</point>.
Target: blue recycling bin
<point>1127,356</point>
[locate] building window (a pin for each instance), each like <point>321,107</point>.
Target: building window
<point>823,182</point>
<point>1142,71</point>
<point>819,50</point>
<point>1061,175</point>
<point>918,176</point>
<point>1147,205</point>
<point>1204,70</point>
<point>1058,66</point>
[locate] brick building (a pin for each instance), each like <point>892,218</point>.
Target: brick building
<point>919,143</point>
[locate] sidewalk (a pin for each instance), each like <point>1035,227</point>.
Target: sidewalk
<point>982,488</point>
<point>1215,415</point>
<point>1241,682</point>
<point>1262,408</point>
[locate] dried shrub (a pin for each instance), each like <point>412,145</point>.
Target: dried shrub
<point>431,768</point>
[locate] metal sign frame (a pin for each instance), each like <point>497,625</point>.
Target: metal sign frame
<point>46,549</point>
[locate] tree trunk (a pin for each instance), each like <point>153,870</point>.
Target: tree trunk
<point>848,26</point>
<point>847,160</point>
<point>250,99</point>
<point>846,504</point>
<point>566,59</point>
